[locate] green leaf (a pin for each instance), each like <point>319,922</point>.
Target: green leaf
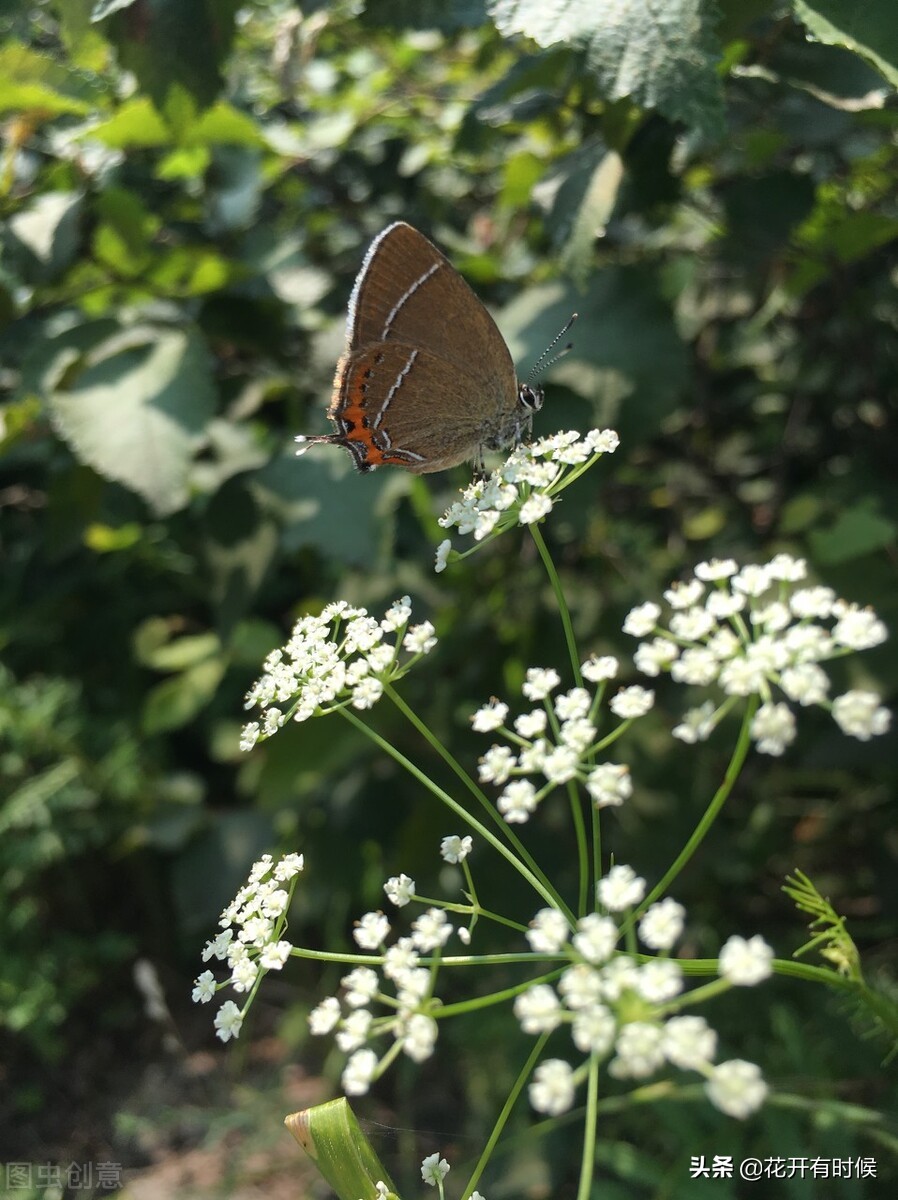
<point>26,85</point>
<point>333,1139</point>
<point>176,701</point>
<point>137,123</point>
<point>135,408</point>
<point>660,56</point>
<point>103,8</point>
<point>856,531</point>
<point>592,216</point>
<point>48,228</point>
<point>425,14</point>
<point>870,30</point>
<point>172,43</point>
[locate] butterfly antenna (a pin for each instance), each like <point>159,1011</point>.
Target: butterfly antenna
<point>541,366</point>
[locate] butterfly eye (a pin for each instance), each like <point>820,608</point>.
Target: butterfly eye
<point>531,398</point>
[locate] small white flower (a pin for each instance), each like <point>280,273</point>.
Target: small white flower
<point>639,1051</point>
<point>397,614</point>
<point>532,724</point>
<point>610,785</point>
<point>593,1029</point>
<point>806,684</point>
<point>367,693</point>
<point>752,580</point>
<point>736,1088</point>
<point>538,1010</point>
<point>772,617</point>
<point>353,1031</point>
<point>689,1042</point>
<point>420,639</point>
<point>361,986</point>
<point>532,757</point>
<point>859,628</point>
<point>573,704</point>
<point>517,801</point>
<point>358,1072</point>
<point>228,1020</point>
<point>620,889</point>
<point>204,988</point>
<point>534,509</point>
<point>618,976</point>
<point>812,602</point>
<point>275,955</point>
<point>250,735</point>
<point>540,682</point>
<point>577,734</point>
<point>697,724</point>
<point>597,670</point>
<point>442,556</point>
<point>325,1016</point>
<point>651,658</point>
<point>399,889</point>
<point>684,595</point>
<point>419,1037</point>
<point>692,625</point>
<point>632,702</point>
<point>431,930</point>
<point>662,924</point>
<point>434,1169</point>
<point>659,981</point>
<point>496,765</point>
<point>399,959</point>
<point>745,962</point>
<point>581,986</point>
<point>697,665</point>
<point>773,728</point>
<point>641,620</point>
<point>290,865</point>
<point>716,569</point>
<point>548,931</point>
<point>560,764</point>
<point>595,938</point>
<point>552,1089</point>
<point>787,568</point>
<point>455,849</point>
<point>724,605</point>
<point>371,930</point>
<point>489,717</point>
<point>860,715</point>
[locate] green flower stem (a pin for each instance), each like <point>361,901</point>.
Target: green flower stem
<point>596,842</point>
<point>589,1130</point>
<point>563,610</point>
<point>582,847</point>
<point>547,893</point>
<point>737,761</point>
<point>502,1119</point>
<point>520,849</point>
<point>460,1007</point>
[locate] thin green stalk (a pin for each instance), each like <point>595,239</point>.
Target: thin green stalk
<point>502,1119</point>
<point>483,800</point>
<point>737,760</point>
<point>487,834</point>
<point>563,610</point>
<point>582,847</point>
<point>587,1163</point>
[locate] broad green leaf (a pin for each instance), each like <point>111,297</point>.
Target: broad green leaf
<point>135,408</point>
<point>104,8</point>
<point>222,124</point>
<point>48,228</point>
<point>856,531</point>
<point>176,701</point>
<point>660,56</point>
<point>869,29</point>
<point>136,123</point>
<point>333,1139</point>
<point>592,216</point>
<point>183,652</point>
<point>173,44</point>
<point>27,82</point>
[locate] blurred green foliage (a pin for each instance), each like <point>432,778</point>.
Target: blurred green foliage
<point>187,188</point>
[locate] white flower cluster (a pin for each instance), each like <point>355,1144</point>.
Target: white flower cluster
<point>558,739</point>
<point>259,914</point>
<point>617,1007</point>
<point>344,656</point>
<point>396,982</point>
<point>753,632</point>
<point>523,489</point>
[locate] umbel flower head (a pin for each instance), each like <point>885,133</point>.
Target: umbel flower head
<point>754,632</point>
<point>344,656</point>
<point>523,490</point>
<point>629,1011</point>
<point>558,740</point>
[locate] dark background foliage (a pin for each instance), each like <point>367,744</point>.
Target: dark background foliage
<point>187,189</point>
